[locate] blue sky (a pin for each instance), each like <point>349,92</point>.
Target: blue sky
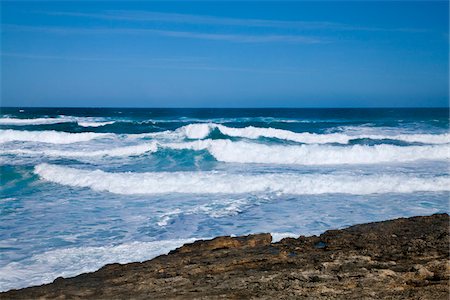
<point>225,54</point>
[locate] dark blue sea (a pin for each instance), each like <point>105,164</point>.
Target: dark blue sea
<point>83,187</point>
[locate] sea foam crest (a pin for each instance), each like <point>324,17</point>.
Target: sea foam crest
<point>114,152</point>
<point>201,131</point>
<point>35,121</point>
<point>225,183</point>
<point>51,136</point>
<point>82,121</point>
<point>45,267</point>
<point>247,152</point>
<point>94,124</point>
<point>244,152</point>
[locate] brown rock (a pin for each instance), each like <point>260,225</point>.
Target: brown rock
<point>226,242</point>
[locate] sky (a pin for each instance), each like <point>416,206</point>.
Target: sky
<point>225,54</point>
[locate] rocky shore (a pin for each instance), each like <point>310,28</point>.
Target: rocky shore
<point>397,259</point>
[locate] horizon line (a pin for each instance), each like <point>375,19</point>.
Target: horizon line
<point>262,107</point>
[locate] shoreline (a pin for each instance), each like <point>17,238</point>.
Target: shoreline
<point>400,258</point>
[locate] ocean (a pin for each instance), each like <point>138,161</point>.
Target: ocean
<point>83,187</point>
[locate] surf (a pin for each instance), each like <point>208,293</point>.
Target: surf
<point>49,136</point>
<point>202,131</point>
<point>225,183</point>
<point>245,152</point>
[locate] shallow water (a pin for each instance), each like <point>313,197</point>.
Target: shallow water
<point>84,187</point>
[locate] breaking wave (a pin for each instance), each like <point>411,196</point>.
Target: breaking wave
<point>244,152</point>
<point>51,136</point>
<point>114,152</point>
<point>36,121</point>
<point>247,152</point>
<point>81,121</point>
<point>201,131</point>
<point>225,183</point>
<point>94,124</point>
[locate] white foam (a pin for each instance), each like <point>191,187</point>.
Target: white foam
<point>228,120</point>
<point>244,152</point>
<point>215,209</point>
<point>225,183</point>
<point>201,131</point>
<point>82,121</point>
<point>278,236</point>
<point>235,152</point>
<point>51,136</point>
<point>197,131</point>
<point>114,152</point>
<point>45,267</point>
<point>94,124</point>
<point>35,121</point>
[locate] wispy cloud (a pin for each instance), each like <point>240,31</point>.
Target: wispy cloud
<point>214,68</point>
<point>175,63</point>
<point>58,57</point>
<point>163,60</point>
<point>149,16</point>
<point>238,38</point>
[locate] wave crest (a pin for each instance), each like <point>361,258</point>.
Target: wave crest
<point>243,152</point>
<point>114,152</point>
<point>81,121</point>
<point>51,136</point>
<point>35,121</point>
<point>201,131</point>
<point>225,183</point>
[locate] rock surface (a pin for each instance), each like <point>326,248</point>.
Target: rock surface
<point>398,259</point>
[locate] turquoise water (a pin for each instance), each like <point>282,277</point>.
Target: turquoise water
<point>84,187</point>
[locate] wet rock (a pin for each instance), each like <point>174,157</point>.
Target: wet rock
<point>226,242</point>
